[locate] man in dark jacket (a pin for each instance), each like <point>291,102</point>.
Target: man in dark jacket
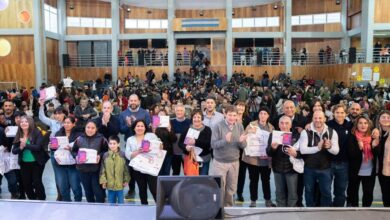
<point>107,124</point>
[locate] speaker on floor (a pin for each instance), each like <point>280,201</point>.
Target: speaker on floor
<point>352,55</point>
<point>65,60</point>
<point>189,197</point>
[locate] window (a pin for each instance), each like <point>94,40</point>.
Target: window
<point>306,19</point>
<point>164,24</point>
<point>108,22</point>
<point>295,20</point>
<point>273,22</point>
<point>143,23</point>
<point>260,22</point>
<point>155,24</point>
<point>89,22</point>
<point>237,23</point>
<point>319,19</point>
<point>333,17</point>
<point>99,22</point>
<point>86,22</point>
<point>51,18</point>
<point>248,22</point>
<point>73,22</point>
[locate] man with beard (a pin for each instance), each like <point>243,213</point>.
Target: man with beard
<point>211,116</point>
<point>126,118</point>
<point>354,111</point>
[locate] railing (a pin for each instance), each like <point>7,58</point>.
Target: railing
<point>257,59</point>
<point>104,60</point>
<point>381,55</point>
<point>152,59</point>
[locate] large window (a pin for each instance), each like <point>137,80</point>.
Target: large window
<point>89,22</point>
<point>146,24</point>
<point>255,22</point>
<point>316,19</point>
<point>51,18</point>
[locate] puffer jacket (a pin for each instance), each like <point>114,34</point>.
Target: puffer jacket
<point>114,170</point>
<point>96,142</point>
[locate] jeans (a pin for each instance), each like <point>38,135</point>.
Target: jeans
<point>166,166</point>
<point>340,182</point>
<point>324,177</point>
<point>241,176</point>
<point>204,169</point>
<point>286,189</point>
<point>12,182</point>
<point>115,196</point>
<point>69,178</point>
<point>92,188</point>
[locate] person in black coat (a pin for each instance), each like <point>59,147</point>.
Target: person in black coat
<point>108,124</point>
<point>203,141</point>
<point>29,145</point>
<point>362,162</point>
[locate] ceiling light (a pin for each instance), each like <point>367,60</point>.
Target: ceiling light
<point>338,2</point>
<point>128,10</point>
<point>201,13</point>
<point>275,6</point>
<point>71,6</point>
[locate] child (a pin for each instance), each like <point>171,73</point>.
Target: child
<point>114,175</point>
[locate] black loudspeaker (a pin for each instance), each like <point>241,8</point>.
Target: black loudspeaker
<point>352,55</point>
<point>65,60</point>
<point>189,197</point>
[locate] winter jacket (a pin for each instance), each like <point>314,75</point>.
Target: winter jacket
<point>113,171</point>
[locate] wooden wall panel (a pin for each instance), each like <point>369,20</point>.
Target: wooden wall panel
<point>141,71</point>
<point>52,3</point>
<point>258,71</point>
<point>214,13</point>
<point>9,17</point>
<point>382,14</point>
<point>87,31</point>
<point>355,42</point>
<point>86,73</point>
<point>354,6</point>
<point>314,45</point>
<point>88,8</point>
<point>327,73</point>
<point>302,7</point>
<point>336,27</point>
<point>141,13</point>
<point>384,69</point>
<point>18,66</point>
<point>52,61</point>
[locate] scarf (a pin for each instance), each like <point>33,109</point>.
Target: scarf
<point>367,154</point>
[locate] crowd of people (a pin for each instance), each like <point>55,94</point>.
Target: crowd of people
<point>339,138</point>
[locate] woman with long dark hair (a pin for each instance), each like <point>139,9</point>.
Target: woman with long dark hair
<point>29,145</point>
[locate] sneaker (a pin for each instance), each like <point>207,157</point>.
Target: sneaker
<point>240,198</point>
<point>253,204</point>
<point>130,194</point>
<point>269,203</point>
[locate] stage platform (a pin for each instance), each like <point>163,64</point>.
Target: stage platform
<point>37,210</point>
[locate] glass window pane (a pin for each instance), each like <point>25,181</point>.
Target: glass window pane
<point>295,20</point>
<point>47,20</point>
<point>53,23</point>
<point>86,22</point>
<point>46,7</point>
<point>73,22</point>
<point>164,24</point>
<point>99,22</point>
<point>108,22</point>
<point>248,22</point>
<point>260,22</point>
<point>273,22</point>
<point>143,24</point>
<point>53,10</point>
<point>306,19</point>
<point>334,17</point>
<point>155,24</point>
<point>130,23</point>
<point>237,23</point>
<point>319,19</point>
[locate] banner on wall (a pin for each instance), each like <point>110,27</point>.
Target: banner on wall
<point>367,74</point>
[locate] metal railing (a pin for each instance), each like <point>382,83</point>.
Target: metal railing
<point>152,59</point>
<point>257,59</point>
<point>105,60</point>
<point>381,55</point>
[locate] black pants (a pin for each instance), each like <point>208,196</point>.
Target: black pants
<point>32,180</point>
<point>300,189</point>
<point>384,181</point>
<point>254,174</point>
<point>368,183</point>
<point>132,180</point>
<point>241,177</point>
<point>177,163</point>
<point>144,181</point>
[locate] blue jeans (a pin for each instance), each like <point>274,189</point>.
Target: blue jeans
<point>12,182</point>
<point>324,178</point>
<point>55,166</point>
<point>115,196</point>
<point>68,177</point>
<point>286,185</point>
<point>92,188</point>
<point>166,166</point>
<point>340,182</point>
<point>204,170</point>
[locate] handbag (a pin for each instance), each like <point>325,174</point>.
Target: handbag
<point>191,166</point>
